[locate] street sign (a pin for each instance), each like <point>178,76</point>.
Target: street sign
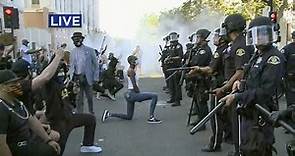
<point>65,20</point>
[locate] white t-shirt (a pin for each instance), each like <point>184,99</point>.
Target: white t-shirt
<point>130,85</point>
<point>27,57</point>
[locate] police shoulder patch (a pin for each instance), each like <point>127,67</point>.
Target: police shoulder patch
<point>240,52</point>
<point>202,52</point>
<point>216,55</point>
<point>274,60</point>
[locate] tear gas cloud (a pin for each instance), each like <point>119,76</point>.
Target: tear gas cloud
<point>149,38</point>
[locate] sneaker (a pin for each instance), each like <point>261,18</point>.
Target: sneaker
<point>110,95</point>
<point>153,120</point>
<point>98,95</point>
<point>105,115</point>
<point>90,149</point>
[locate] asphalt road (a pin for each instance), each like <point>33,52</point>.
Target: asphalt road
<point>138,138</point>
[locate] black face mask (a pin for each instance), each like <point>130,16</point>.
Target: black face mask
<point>78,41</point>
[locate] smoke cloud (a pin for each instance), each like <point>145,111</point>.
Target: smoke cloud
<point>149,38</point>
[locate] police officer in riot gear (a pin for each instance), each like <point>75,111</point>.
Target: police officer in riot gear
<point>215,69</point>
<point>174,61</point>
<point>289,52</point>
<point>262,78</point>
<point>201,56</point>
<point>234,58</point>
<point>164,54</point>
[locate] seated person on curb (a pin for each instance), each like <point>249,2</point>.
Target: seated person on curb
<point>57,100</point>
<point>17,124</point>
<point>134,95</point>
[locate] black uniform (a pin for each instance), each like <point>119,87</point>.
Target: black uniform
<point>286,115</point>
<point>263,78</point>
<point>289,52</point>
<point>234,58</point>
<point>217,122</point>
<point>175,50</point>
<point>165,54</point>
<point>201,57</point>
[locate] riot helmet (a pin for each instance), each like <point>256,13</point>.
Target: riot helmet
<point>200,35</point>
<point>173,36</point>
<point>216,37</point>
<point>233,23</point>
<point>260,32</point>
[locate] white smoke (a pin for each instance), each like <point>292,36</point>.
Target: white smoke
<point>150,38</point>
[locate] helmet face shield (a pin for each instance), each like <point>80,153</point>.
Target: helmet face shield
<point>173,37</point>
<point>260,35</point>
<point>223,31</point>
<point>194,38</point>
<point>216,38</point>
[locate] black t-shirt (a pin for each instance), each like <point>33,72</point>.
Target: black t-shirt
<point>58,105</point>
<point>27,97</point>
<point>5,62</point>
<point>14,127</point>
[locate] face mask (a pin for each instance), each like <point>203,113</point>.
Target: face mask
<point>77,41</point>
<point>14,89</point>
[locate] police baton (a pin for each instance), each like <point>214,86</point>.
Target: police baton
<point>280,122</point>
<point>206,118</point>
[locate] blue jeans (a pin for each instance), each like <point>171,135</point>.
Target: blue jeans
<point>131,97</point>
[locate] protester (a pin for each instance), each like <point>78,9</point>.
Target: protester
<point>134,95</point>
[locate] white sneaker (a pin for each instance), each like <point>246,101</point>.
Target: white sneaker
<point>105,115</point>
<point>90,149</point>
<point>98,95</point>
<point>110,95</point>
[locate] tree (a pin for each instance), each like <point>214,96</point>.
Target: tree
<point>248,8</point>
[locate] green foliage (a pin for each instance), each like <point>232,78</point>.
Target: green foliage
<point>248,8</point>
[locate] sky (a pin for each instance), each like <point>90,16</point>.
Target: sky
<point>121,18</point>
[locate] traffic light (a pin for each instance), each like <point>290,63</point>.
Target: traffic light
<point>273,16</point>
<point>10,17</point>
<point>8,13</point>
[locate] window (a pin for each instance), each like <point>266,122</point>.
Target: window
<point>36,2</point>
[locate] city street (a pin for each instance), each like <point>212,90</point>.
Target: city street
<point>138,138</point>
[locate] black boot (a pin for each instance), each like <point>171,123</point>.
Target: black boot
<point>171,101</point>
<point>211,149</point>
<point>177,103</point>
